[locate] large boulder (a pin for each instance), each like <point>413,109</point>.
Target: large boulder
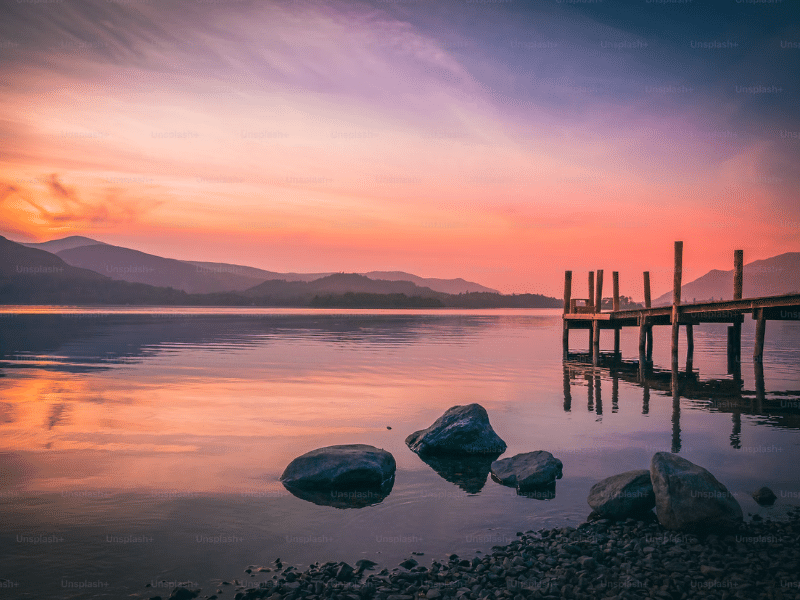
<point>621,496</point>
<point>527,471</point>
<point>689,498</point>
<point>460,430</point>
<point>348,466</point>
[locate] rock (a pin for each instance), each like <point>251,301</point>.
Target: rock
<point>182,593</point>
<point>433,594</point>
<point>364,564</point>
<point>765,496</point>
<point>460,430</point>
<point>346,476</point>
<point>344,466</point>
<point>344,573</point>
<point>587,562</point>
<point>409,563</point>
<point>689,498</point>
<point>528,470</point>
<point>712,571</point>
<point>620,496</point>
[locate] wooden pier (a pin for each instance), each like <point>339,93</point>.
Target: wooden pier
<point>587,314</point>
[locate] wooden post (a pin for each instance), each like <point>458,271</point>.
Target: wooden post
<point>758,367</point>
<point>590,302</point>
<point>642,355</point>
<point>738,270</point>
<point>649,327</point>
<point>598,295</point>
<point>567,390</point>
<point>761,326</point>
<point>615,307</point>
<point>676,299</point>
<point>738,266</point>
<point>567,299</point>
<point>689,347</point>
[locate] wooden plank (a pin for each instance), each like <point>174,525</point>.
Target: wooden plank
<point>615,280</point>
<point>591,289</point>
<point>596,343</point>
<point>647,289</point>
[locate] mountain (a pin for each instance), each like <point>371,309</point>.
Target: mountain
<point>255,273</point>
<point>448,286</point>
<point>127,264</point>
<point>139,267</point>
<point>34,276</point>
<point>67,243</point>
<point>338,283</point>
<point>769,277</point>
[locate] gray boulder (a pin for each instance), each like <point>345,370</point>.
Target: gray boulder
<point>528,470</point>
<point>340,467</point>
<point>621,496</point>
<point>689,498</point>
<point>460,430</point>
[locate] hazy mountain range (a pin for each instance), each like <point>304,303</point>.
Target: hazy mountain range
<point>769,277</point>
<point>127,264</point>
<point>80,270</point>
<point>29,274</point>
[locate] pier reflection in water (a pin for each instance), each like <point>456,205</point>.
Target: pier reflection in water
<point>715,395</point>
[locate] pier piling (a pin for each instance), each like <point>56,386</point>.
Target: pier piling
<point>567,301</point>
<point>676,299</point>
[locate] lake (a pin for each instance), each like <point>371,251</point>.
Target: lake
<point>144,446</point>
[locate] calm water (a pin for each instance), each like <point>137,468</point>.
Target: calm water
<point>145,446</point>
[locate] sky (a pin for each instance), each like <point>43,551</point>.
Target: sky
<point>499,141</point>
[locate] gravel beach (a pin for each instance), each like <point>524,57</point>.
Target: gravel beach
<point>598,559</point>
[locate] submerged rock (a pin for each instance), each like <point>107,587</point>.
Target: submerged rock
<point>345,476</point>
<point>689,498</point>
<point>460,430</point>
<point>621,496</point>
<point>527,471</point>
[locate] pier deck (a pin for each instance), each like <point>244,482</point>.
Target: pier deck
<point>587,316</point>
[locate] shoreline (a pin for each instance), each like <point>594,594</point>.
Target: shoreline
<point>597,559</point>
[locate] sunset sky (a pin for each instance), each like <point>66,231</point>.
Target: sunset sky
<point>502,142</point>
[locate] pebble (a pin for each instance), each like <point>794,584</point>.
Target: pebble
<point>599,559</point>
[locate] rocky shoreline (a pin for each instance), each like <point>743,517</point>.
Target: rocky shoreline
<point>598,559</point>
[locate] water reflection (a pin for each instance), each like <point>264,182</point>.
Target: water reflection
<point>356,497</point>
<point>713,395</point>
<point>467,472</point>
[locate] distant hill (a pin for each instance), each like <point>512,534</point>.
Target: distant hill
<point>131,265</point>
<point>256,273</point>
<point>128,264</point>
<point>34,276</point>
<point>67,243</point>
<point>338,283</point>
<point>448,286</point>
<point>769,277</point>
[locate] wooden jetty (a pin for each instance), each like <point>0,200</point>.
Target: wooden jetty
<point>586,313</point>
